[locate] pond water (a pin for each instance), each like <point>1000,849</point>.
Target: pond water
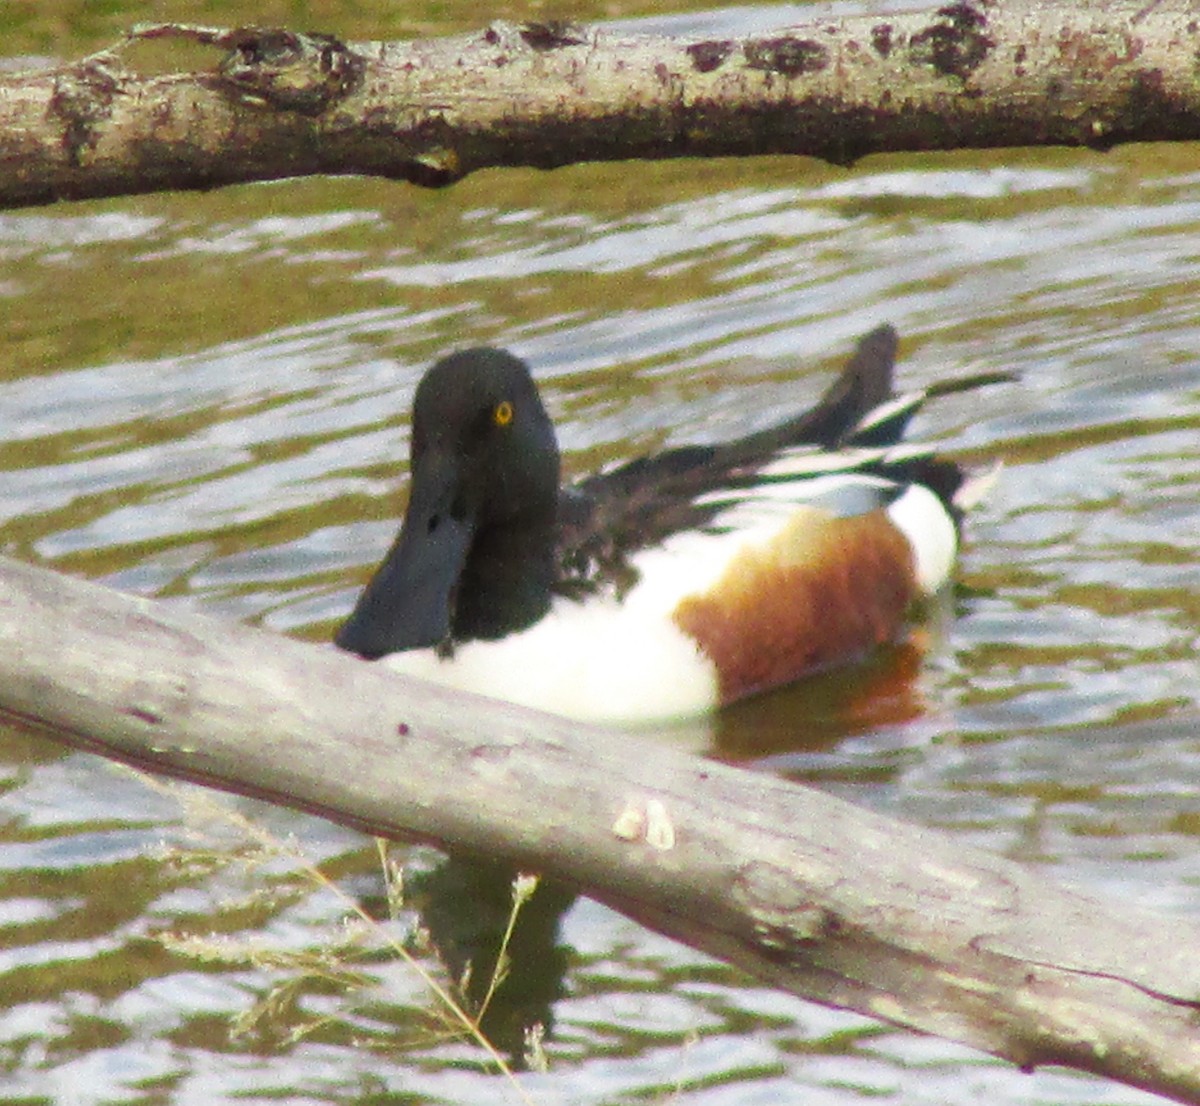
<point>205,399</point>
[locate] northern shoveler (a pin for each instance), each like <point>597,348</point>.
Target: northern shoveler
<point>673,584</point>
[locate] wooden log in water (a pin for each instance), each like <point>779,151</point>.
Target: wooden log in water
<point>811,894</point>
<point>276,103</point>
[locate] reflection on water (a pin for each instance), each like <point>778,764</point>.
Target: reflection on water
<point>205,399</point>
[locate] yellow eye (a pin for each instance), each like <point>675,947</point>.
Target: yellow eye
<point>502,414</point>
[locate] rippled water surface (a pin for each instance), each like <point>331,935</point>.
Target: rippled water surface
<point>204,399</point>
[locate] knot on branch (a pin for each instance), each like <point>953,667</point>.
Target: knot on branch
<point>956,44</point>
<point>82,99</point>
<point>305,73</point>
<point>710,54</point>
<point>786,55</point>
<point>553,35</point>
<point>792,937</point>
<point>542,37</point>
<point>787,922</point>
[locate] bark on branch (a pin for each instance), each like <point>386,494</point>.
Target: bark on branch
<point>810,893</point>
<point>280,104</point>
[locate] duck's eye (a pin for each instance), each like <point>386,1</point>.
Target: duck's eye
<point>502,413</point>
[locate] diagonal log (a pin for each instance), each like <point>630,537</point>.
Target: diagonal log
<point>810,893</point>
<point>279,104</point>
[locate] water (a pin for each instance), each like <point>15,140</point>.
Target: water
<point>204,399</point>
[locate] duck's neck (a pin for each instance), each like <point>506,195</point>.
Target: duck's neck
<point>506,583</point>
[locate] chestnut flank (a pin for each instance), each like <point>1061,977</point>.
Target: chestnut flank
<point>823,591</point>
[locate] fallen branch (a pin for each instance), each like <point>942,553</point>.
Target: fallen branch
<point>810,893</point>
<point>284,104</point>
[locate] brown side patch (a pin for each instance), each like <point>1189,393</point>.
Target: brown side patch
<point>822,592</point>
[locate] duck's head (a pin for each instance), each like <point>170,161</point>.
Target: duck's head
<point>483,447</point>
<point>484,460</point>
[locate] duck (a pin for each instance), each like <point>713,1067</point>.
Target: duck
<point>673,584</point>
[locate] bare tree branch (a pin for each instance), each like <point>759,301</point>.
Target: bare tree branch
<point>811,894</point>
<point>284,104</point>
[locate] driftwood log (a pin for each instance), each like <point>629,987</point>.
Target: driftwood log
<point>809,893</point>
<point>277,103</point>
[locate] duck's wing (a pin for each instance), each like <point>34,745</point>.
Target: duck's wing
<point>853,430</point>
